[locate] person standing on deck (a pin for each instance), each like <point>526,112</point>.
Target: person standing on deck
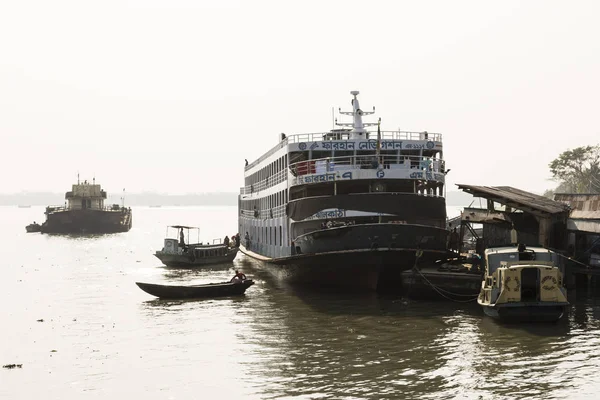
<point>454,239</point>
<point>181,238</point>
<point>226,241</point>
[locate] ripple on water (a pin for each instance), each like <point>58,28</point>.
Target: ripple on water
<point>276,342</point>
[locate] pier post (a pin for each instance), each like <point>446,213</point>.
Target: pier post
<point>589,283</point>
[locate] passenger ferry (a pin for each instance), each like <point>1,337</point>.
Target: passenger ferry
<point>351,206</point>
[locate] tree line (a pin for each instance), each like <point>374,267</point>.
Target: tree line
<point>576,171</point>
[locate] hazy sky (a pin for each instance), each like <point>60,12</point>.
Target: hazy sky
<point>171,96</point>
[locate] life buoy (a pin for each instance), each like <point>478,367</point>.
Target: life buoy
<point>168,246</point>
<point>549,283</point>
<point>507,282</point>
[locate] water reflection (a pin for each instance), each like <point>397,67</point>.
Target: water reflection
<point>277,341</point>
<point>366,346</point>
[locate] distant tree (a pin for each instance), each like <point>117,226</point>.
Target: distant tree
<point>549,193</point>
<point>577,170</point>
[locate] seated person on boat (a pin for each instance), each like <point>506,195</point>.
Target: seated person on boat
<point>238,277</point>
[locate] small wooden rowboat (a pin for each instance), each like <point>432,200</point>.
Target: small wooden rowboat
<point>196,291</point>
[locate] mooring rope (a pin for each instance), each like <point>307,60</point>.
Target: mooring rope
<point>440,290</point>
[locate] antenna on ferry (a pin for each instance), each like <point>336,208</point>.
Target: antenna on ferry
<point>358,127</point>
<point>78,177</point>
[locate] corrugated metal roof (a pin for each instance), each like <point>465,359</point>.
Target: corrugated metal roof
<point>517,198</point>
<point>576,214</point>
<point>582,225</point>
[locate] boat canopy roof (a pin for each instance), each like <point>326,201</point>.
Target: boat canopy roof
<point>495,256</point>
<point>183,226</point>
<point>209,246</point>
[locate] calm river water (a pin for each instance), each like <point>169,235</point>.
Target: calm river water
<point>102,337</point>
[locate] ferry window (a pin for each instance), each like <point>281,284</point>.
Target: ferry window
<point>280,236</point>
<point>316,154</point>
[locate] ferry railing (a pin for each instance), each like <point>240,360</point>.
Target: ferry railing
<point>385,135</point>
<point>264,212</point>
<point>345,135</point>
<point>272,180</point>
<point>273,149</point>
<point>348,163</point>
<point>331,164</point>
<point>66,208</point>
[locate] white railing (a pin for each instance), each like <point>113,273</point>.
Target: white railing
<point>273,180</point>
<point>273,212</point>
<point>278,146</point>
<point>77,207</point>
<point>347,163</point>
<point>385,135</point>
<point>342,135</point>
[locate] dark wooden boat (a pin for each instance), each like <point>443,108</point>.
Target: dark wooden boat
<point>177,253</point>
<point>196,291</point>
<point>35,227</point>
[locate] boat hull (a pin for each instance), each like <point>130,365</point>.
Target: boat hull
<point>368,256</point>
<point>401,237</point>
<point>197,291</point>
<point>524,312</point>
<point>33,228</point>
<point>431,283</point>
<point>185,260</point>
<point>365,269</point>
<point>87,221</point>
